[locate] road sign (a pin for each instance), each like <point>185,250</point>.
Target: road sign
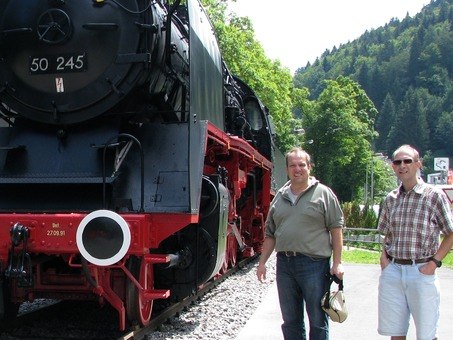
<point>441,163</point>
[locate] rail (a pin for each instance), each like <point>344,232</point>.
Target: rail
<point>353,236</point>
<point>357,236</point>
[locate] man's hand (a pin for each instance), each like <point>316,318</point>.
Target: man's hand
<point>428,268</point>
<point>337,270</point>
<point>384,260</point>
<point>261,272</point>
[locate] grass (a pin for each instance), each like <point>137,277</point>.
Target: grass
<point>372,257</point>
<point>360,256</point>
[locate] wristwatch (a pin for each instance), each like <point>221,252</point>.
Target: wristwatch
<point>436,261</point>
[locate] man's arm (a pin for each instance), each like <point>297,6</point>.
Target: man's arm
<point>268,248</point>
<point>336,235</point>
<point>445,223</point>
<point>430,267</point>
<point>384,259</point>
<point>444,247</point>
<point>383,230</point>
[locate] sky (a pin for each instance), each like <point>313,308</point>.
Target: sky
<point>298,31</point>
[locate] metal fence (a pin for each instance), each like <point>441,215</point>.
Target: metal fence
<point>355,236</point>
<point>361,235</point>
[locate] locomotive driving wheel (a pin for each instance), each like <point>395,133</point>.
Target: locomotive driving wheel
<point>224,267</point>
<point>230,253</point>
<point>139,309</point>
<point>232,250</point>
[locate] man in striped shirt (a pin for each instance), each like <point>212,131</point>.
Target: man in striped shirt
<point>412,218</point>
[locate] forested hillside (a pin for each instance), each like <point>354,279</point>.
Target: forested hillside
<point>406,69</point>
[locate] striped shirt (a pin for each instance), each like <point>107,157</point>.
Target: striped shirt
<point>413,221</point>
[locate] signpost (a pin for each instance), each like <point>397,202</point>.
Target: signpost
<point>442,164</point>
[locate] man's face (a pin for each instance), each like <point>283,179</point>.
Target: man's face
<point>405,166</point>
<point>298,168</point>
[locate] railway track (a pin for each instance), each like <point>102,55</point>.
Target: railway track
<point>177,308</point>
<point>76,320</point>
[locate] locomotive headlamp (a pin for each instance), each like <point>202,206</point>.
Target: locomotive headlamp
<point>103,237</point>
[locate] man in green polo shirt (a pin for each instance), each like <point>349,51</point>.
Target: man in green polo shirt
<point>304,227</point>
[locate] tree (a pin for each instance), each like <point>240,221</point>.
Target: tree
<point>303,107</point>
<point>444,130</point>
<point>363,75</point>
<point>415,64</point>
<point>384,122</point>
<point>341,125</point>
<point>411,126</point>
<point>387,51</point>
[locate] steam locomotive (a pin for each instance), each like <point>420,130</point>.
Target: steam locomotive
<point>133,165</point>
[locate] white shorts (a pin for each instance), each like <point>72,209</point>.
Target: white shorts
<point>404,290</point>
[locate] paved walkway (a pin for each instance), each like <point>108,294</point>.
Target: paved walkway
<point>360,289</point>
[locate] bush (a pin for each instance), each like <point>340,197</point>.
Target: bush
<point>356,216</point>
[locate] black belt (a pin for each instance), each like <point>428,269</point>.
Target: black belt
<point>289,253</point>
<point>408,262</point>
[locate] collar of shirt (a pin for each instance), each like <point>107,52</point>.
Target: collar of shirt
<point>311,181</point>
<point>418,188</point>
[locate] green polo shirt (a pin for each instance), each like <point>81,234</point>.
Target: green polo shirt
<point>303,226</point>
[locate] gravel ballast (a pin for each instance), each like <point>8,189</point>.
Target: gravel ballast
<point>224,311</point>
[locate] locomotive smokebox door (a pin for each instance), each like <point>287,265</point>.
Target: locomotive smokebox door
<point>69,61</point>
<point>103,237</point>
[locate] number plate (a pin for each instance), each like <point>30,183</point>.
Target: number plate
<point>61,63</point>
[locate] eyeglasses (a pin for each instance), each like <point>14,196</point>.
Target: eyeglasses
<point>405,161</point>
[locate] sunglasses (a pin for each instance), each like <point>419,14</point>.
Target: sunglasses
<point>405,161</point>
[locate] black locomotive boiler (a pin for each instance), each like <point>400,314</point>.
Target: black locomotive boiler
<point>133,165</point>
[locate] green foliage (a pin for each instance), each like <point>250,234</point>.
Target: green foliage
<point>411,126</point>
<point>340,122</point>
<point>384,179</point>
<point>369,218</point>
<point>245,57</point>
<point>352,214</point>
<point>357,217</point>
<point>444,129</point>
<point>385,121</point>
<point>406,70</point>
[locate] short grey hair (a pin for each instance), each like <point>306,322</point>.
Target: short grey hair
<point>408,149</point>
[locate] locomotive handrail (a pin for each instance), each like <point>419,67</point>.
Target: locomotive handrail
<point>55,180</point>
<point>17,147</point>
<point>168,52</point>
